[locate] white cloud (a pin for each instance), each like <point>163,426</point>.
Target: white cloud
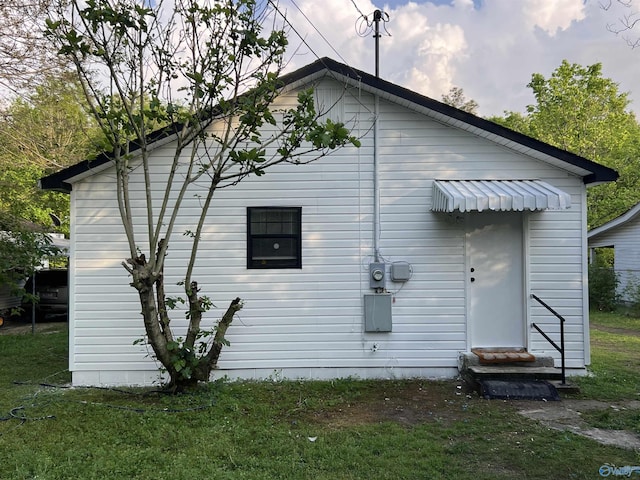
<point>442,47</point>
<point>553,15</point>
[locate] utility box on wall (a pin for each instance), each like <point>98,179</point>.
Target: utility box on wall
<point>377,312</point>
<point>401,271</point>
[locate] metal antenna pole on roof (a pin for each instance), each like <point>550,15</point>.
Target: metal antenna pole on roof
<point>377,16</point>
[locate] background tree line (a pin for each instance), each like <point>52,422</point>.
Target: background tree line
<point>44,127</point>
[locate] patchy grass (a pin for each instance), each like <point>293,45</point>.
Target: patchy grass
<point>615,359</point>
<point>614,418</point>
<point>344,429</point>
<point>619,321</point>
<point>614,373</point>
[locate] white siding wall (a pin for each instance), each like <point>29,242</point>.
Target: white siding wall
<point>309,322</point>
<point>624,239</point>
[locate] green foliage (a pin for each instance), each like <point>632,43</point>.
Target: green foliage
<point>603,256</point>
<point>20,197</point>
<point>172,302</point>
<point>50,127</point>
<point>579,110</point>
<point>41,133</point>
<point>22,249</point>
<point>513,120</point>
<point>603,283</point>
<point>183,358</point>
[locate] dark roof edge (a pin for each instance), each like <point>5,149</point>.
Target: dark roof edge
<point>57,181</point>
<point>599,173</point>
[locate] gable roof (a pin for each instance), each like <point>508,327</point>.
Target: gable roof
<point>626,217</point>
<point>590,171</point>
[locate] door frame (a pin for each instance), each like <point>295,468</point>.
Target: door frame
<point>526,308</point>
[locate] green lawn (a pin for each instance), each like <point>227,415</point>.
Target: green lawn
<point>615,358</point>
<point>345,429</point>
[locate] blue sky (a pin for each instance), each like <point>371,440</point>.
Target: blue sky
<point>490,48</point>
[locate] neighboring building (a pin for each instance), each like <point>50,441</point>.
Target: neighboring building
<point>470,218</point>
<point>622,234</point>
<point>10,299</point>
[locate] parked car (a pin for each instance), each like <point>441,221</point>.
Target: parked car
<point>52,295</point>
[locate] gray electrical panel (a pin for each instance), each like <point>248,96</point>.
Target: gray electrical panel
<point>377,312</point>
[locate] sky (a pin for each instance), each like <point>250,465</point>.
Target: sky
<point>489,48</point>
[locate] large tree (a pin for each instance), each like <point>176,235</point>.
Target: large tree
<point>46,129</point>
<point>210,70</point>
<point>579,110</point>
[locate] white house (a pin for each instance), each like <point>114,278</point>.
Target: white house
<point>622,234</point>
<point>400,256</point>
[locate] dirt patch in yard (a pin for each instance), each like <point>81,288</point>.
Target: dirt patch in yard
<point>447,402</point>
<point>21,327</point>
<point>408,403</point>
<point>620,331</point>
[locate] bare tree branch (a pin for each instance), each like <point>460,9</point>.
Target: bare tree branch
<point>26,55</point>
<point>626,22</point>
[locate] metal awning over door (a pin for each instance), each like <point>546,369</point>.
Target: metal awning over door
<point>497,195</point>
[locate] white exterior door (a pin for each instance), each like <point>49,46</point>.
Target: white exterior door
<point>495,279</point>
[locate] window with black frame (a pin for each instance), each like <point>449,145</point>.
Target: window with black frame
<point>274,238</point>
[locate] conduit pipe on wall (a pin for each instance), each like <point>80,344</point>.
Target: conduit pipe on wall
<point>377,16</point>
<point>376,188</point>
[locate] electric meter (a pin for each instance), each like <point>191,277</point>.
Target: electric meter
<point>377,275</point>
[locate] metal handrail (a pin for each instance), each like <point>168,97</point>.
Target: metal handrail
<point>554,344</point>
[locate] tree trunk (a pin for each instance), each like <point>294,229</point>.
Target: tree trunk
<point>144,282</point>
<point>150,289</point>
<point>210,360</point>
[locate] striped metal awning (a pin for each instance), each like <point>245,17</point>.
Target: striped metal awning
<point>497,195</point>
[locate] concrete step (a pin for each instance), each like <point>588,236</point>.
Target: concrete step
<point>468,359</point>
<point>512,372</point>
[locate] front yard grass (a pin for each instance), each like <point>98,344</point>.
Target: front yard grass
<point>344,429</point>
